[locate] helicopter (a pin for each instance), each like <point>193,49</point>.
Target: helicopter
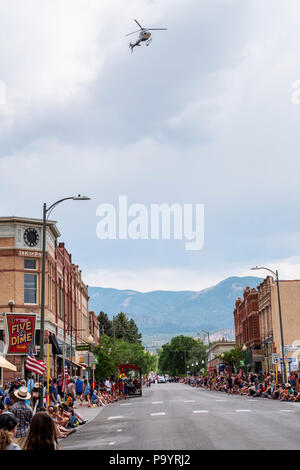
<point>144,35</point>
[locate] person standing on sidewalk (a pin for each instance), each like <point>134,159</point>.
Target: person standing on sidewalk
<point>107,385</point>
<point>30,384</point>
<point>35,393</point>
<point>23,413</point>
<point>87,392</point>
<point>79,388</point>
<point>59,386</point>
<point>53,392</point>
<point>72,389</point>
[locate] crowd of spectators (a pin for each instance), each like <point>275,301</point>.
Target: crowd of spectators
<point>258,385</point>
<point>26,425</point>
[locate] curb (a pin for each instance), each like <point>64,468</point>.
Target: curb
<point>79,428</point>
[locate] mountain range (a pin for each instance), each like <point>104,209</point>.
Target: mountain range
<point>160,314</point>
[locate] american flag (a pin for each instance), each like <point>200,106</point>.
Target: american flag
<point>65,378</point>
<point>34,364</point>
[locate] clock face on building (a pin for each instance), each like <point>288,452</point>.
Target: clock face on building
<point>31,237</point>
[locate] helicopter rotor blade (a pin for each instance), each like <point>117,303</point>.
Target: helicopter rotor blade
<point>156,29</point>
<point>138,24</point>
<point>133,32</point>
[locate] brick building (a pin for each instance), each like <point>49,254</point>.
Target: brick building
<point>269,317</point>
<point>246,322</point>
<point>94,327</point>
<point>67,317</point>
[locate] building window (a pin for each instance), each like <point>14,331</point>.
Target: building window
<point>30,288</point>
<point>29,263</point>
<point>60,303</point>
<point>73,316</point>
<point>67,308</point>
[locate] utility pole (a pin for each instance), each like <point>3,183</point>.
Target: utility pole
<point>114,336</point>
<point>208,339</point>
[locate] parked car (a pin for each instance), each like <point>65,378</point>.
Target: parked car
<point>161,379</point>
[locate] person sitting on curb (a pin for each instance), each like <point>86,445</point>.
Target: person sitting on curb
<point>107,398</point>
<point>62,418</point>
<point>288,393</point>
<point>62,431</point>
<point>277,392</point>
<point>245,389</point>
<point>68,411</point>
<point>95,399</point>
<point>268,392</point>
<point>297,396</point>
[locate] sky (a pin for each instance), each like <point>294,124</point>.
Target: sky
<point>204,115</point>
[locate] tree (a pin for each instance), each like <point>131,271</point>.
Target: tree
<point>104,324</point>
<point>134,353</point>
<point>106,366</point>
<point>123,328</point>
<point>179,353</point>
<point>233,357</point>
<point>113,352</point>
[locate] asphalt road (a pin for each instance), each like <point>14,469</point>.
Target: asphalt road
<point>178,417</point>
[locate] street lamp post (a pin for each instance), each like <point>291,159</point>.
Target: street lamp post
<point>244,348</point>
<point>280,316</point>
<point>90,341</point>
<point>46,213</point>
<point>222,356</point>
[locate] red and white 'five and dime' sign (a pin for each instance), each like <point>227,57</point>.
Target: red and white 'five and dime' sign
<point>20,329</point>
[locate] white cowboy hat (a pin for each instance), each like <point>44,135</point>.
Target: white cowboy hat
<point>22,393</point>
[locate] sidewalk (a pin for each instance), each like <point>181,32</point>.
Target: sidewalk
<point>88,414</point>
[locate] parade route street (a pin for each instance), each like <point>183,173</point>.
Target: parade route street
<point>178,417</point>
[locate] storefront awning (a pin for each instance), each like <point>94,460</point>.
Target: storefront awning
<point>75,364</point>
<point>82,366</point>
<point>128,366</point>
<point>7,365</point>
<point>55,346</point>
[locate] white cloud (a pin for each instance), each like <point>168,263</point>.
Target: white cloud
<point>145,280</point>
<point>203,115</point>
